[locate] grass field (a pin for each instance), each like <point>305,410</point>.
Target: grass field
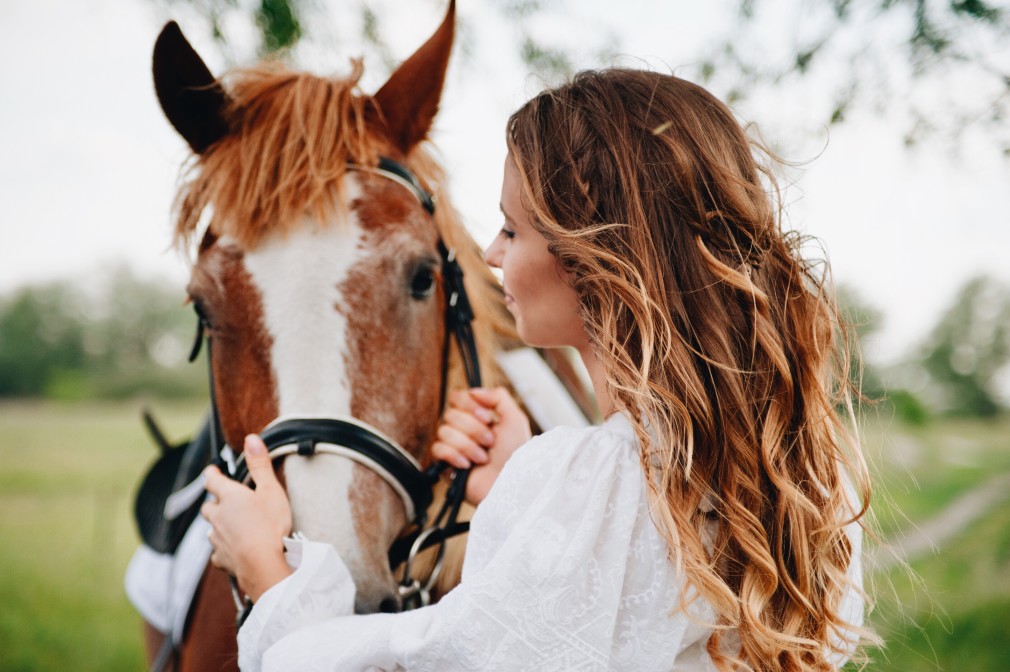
<point>68,473</point>
<point>67,477</point>
<point>952,613</point>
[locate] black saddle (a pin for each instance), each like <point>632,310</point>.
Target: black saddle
<point>178,466</point>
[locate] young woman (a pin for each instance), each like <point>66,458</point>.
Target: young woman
<point>712,522</point>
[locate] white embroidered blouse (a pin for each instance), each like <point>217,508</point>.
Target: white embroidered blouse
<point>564,570</point>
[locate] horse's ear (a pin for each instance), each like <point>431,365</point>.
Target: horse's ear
<point>189,95</point>
<point>408,101</point>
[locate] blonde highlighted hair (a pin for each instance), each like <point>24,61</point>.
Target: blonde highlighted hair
<point>719,340</point>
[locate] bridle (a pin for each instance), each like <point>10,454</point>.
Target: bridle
<point>358,441</point>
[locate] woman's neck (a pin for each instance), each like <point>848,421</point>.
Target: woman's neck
<point>598,376</point>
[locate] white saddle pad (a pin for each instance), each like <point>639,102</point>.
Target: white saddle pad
<point>161,586</point>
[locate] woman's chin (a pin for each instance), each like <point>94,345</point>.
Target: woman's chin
<point>521,330</point>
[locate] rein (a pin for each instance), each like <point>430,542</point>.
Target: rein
<point>358,441</point>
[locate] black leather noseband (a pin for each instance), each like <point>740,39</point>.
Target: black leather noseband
<point>355,441</point>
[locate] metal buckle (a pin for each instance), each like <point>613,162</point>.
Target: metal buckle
<point>414,594</point>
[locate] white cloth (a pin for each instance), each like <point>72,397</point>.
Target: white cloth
<point>161,586</point>
<point>564,570</point>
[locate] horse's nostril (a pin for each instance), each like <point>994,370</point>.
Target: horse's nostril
<point>389,605</point>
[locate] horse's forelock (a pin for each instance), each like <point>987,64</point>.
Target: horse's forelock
<point>291,137</point>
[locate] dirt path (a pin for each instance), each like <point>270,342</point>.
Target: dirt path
<point>930,536</point>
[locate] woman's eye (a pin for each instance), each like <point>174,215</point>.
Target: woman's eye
<point>422,284</point>
<point>507,233</point>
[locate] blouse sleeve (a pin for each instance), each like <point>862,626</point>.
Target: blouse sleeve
<point>851,609</point>
<point>547,575</point>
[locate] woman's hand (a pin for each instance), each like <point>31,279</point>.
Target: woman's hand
<point>249,526</point>
<point>481,428</point>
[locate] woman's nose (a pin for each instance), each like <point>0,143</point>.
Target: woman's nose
<point>492,255</point>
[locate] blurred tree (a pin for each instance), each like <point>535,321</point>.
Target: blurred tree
<point>139,339</point>
<point>907,407</point>
<point>941,66</point>
<point>863,320</point>
<point>41,336</point>
<point>968,349</point>
<point>129,336</point>
<point>879,387</point>
<point>134,317</point>
<point>278,24</point>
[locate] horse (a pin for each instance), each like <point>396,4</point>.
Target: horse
<point>318,275</point>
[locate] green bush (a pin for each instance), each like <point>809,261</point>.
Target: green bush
<point>907,407</point>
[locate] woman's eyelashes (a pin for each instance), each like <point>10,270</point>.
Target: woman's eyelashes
<point>506,232</point>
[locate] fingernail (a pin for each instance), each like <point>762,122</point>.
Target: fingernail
<point>481,458</point>
<point>461,463</point>
<point>488,438</point>
<point>254,446</point>
<point>483,414</point>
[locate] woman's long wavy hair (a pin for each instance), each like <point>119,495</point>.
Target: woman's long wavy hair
<point>722,343</point>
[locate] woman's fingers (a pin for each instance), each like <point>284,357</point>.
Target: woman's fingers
<point>512,428</point>
<point>481,428</point>
<point>215,557</point>
<point>247,526</point>
<point>217,484</point>
<point>442,452</point>
<point>462,400</point>
<point>212,480</point>
<point>496,399</point>
<point>469,425</point>
<point>208,509</point>
<point>465,433</point>
<point>261,468</point>
<point>461,443</point>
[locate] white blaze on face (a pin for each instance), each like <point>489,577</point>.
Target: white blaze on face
<point>299,276</point>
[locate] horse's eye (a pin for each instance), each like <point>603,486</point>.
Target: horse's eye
<point>201,310</point>
<point>422,284</point>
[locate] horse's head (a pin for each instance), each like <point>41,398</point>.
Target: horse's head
<point>319,277</point>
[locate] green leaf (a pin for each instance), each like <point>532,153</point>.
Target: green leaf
<point>278,22</point>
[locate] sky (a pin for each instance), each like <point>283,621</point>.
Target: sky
<point>90,164</point>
